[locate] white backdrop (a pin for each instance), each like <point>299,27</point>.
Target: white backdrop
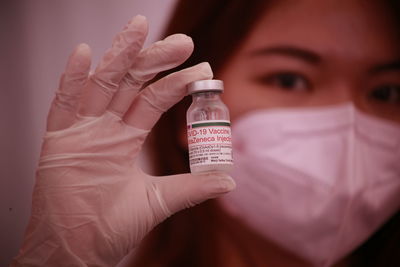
<point>36,39</point>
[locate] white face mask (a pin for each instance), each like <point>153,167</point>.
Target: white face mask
<point>316,181</point>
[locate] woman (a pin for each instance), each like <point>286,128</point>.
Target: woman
<point>225,33</point>
<point>317,85</point>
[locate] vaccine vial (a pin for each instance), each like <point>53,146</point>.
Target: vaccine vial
<point>208,128</point>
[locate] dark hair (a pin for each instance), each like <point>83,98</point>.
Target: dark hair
<point>190,237</point>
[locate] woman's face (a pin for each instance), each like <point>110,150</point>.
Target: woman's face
<point>318,53</point>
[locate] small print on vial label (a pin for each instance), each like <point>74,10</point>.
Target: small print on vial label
<point>210,142</point>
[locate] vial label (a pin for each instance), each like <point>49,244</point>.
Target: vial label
<point>210,142</point>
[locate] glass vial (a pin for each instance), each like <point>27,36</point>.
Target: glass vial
<point>208,128</point>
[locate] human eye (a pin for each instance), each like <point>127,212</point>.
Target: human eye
<point>288,81</point>
<point>389,93</point>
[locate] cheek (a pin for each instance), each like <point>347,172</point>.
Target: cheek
<point>241,98</point>
<point>236,100</point>
<point>234,90</point>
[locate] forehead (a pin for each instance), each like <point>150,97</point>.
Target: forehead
<point>360,28</point>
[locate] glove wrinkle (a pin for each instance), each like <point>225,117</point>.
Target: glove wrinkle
<point>92,204</point>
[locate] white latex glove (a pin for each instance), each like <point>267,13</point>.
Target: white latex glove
<point>91,202</point>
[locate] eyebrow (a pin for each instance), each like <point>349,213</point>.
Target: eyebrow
<point>291,51</point>
<point>390,66</point>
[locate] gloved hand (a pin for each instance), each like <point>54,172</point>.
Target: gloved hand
<point>91,202</point>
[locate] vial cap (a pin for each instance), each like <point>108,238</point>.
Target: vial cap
<point>205,86</point>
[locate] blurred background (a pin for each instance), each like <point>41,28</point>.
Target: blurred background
<point>36,40</point>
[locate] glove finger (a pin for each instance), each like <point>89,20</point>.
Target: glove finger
<point>65,104</point>
<point>158,97</point>
<point>160,56</point>
<point>181,191</point>
<point>113,67</point>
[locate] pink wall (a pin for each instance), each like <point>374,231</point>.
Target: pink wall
<point>36,39</point>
